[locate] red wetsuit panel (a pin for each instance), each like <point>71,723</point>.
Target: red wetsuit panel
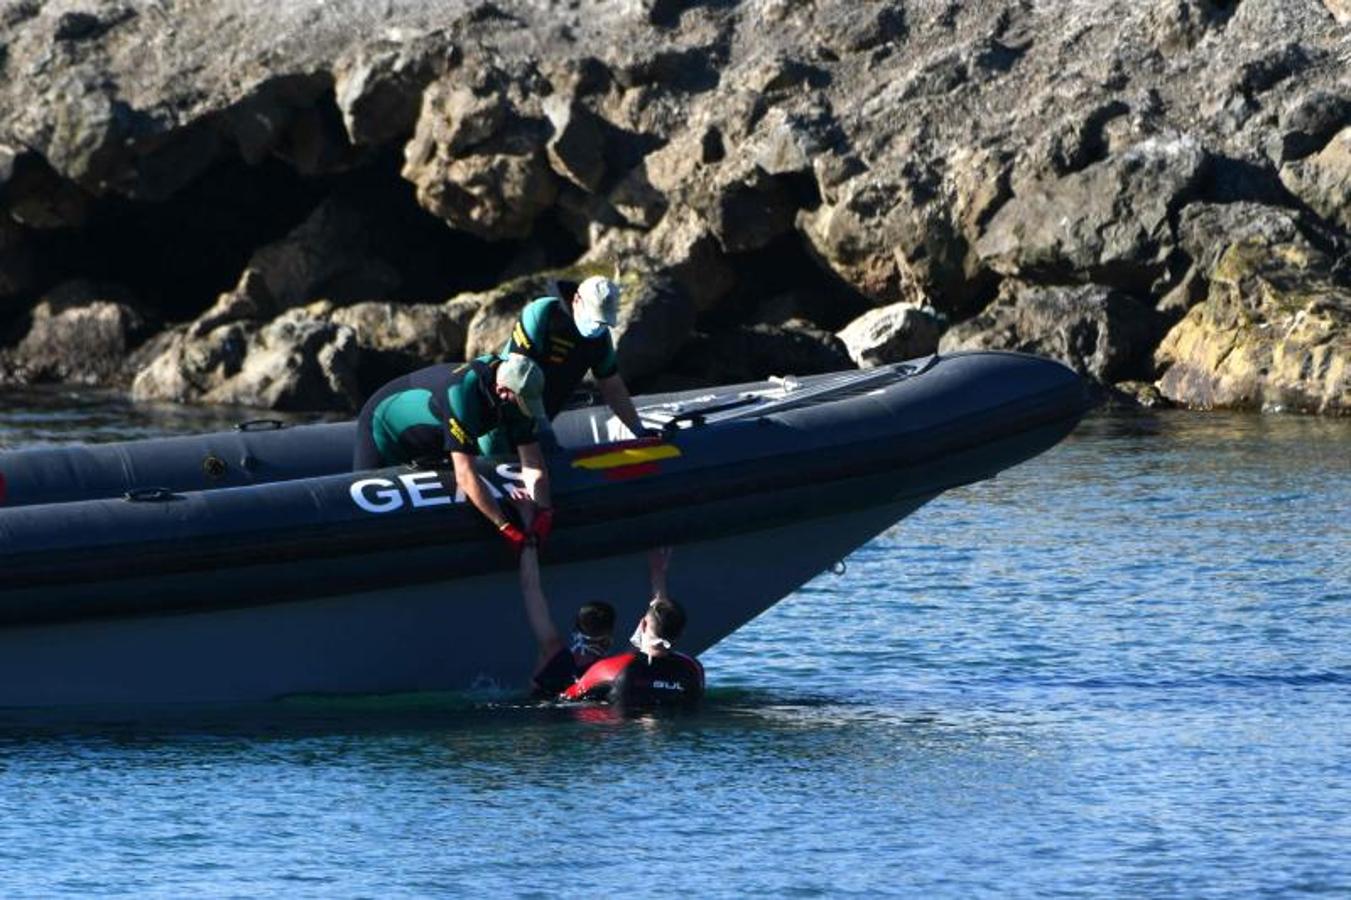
<point>601,675</point>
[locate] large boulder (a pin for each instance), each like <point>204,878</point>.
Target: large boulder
<point>656,318</point>
<point>79,333</point>
<point>890,334</point>
<point>431,332</point>
<point>497,313</point>
<point>1109,224</point>
<point>1307,123</point>
<point>1324,180</point>
<point>478,157</point>
<point>324,257</point>
<point>1273,333</point>
<point>394,339</point>
<point>1204,228</point>
<point>1096,330</point>
<point>1204,231</point>
<point>576,150</point>
<point>682,245</point>
<point>292,363</point>
<point>378,88</point>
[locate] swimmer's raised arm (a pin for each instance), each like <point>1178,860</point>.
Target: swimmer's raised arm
<point>658,562</point>
<point>536,604</point>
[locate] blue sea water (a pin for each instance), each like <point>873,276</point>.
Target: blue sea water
<point>1122,669</point>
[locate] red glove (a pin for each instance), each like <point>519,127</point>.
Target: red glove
<point>543,525</point>
<point>513,536</point>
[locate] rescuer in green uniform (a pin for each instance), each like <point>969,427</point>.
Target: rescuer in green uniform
<point>566,340</point>
<point>443,411</point>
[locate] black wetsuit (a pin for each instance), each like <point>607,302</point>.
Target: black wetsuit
<point>559,672</point>
<point>632,680</point>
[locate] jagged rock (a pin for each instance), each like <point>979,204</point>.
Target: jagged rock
<point>577,149</point>
<point>898,132</point>
<point>891,334</point>
<point>79,333</point>
<point>1307,124</point>
<point>681,245</point>
<point>430,332</point>
<point>1141,394</point>
<point>861,26</point>
<point>188,367</point>
<point>869,212</point>
<point>85,136</point>
<point>292,363</point>
<point>1179,25</point>
<point>785,148</point>
<point>1203,228</point>
<point>259,121</point>
<point>478,157</point>
<point>751,213</point>
<point>1274,333</point>
<point>1202,232</point>
<point>1096,330</point>
<point>379,89</point>
<point>656,318</point>
<point>1324,181</point>
<point>497,313</point>
<point>1108,224</point>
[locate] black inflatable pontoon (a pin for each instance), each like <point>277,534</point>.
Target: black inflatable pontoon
<point>250,565</point>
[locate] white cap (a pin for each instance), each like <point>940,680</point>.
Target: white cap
<point>598,300</point>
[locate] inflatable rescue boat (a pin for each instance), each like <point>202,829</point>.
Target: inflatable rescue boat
<point>251,565</point>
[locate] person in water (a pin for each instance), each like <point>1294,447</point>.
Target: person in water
<point>441,412</point>
<point>654,673</point>
<point>567,340</point>
<point>559,664</point>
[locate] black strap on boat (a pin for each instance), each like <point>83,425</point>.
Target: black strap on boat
<point>261,425</point>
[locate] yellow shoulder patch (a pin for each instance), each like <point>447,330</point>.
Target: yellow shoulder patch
<point>457,430</point>
<point>518,335</point>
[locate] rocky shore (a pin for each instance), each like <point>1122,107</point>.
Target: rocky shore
<point>284,204</point>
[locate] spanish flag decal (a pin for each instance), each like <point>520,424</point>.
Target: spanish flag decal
<point>631,459</point>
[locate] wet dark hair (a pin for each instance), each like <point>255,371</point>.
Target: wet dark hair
<point>595,619</point>
<point>668,619</point>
